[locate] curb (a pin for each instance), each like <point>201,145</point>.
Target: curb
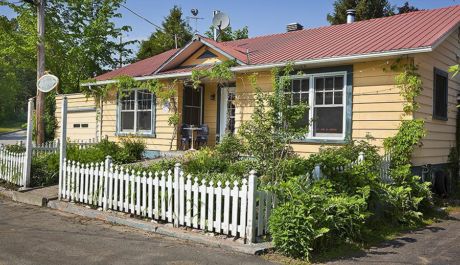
<point>162,229</point>
<point>24,197</point>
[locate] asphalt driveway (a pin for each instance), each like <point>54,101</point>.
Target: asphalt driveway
<point>436,244</point>
<point>34,235</point>
<point>13,138</point>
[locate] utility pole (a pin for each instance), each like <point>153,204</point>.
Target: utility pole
<point>40,109</point>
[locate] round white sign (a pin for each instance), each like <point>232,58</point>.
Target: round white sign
<point>47,82</point>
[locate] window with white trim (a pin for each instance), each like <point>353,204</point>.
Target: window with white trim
<point>136,112</point>
<point>325,95</point>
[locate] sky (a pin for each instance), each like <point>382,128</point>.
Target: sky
<point>261,17</point>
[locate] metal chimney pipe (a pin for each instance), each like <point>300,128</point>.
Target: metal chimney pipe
<point>351,14</point>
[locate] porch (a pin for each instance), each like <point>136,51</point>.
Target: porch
<point>206,114</point>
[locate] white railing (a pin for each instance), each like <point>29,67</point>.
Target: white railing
<point>12,166</point>
<point>235,209</point>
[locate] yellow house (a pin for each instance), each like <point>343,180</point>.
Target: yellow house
<point>345,79</point>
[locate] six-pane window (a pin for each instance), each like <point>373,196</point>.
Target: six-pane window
<point>440,94</point>
<point>136,111</point>
<point>324,94</point>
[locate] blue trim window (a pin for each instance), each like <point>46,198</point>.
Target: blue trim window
<point>136,112</point>
<point>327,95</point>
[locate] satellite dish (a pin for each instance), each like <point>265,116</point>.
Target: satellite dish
<point>221,21</point>
<point>47,82</point>
<point>194,12</point>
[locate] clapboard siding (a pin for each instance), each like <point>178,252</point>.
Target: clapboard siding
<point>440,134</point>
<point>163,131</point>
<point>77,101</point>
<point>377,105</point>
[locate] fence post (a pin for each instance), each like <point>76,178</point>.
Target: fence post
<point>28,157</point>
<point>63,141</point>
<point>251,221</point>
<point>360,157</point>
<point>108,163</point>
<point>177,169</point>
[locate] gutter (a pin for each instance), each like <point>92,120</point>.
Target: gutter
<point>244,68</point>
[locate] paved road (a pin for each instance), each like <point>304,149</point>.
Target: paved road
<point>13,138</point>
<point>34,235</point>
<point>437,244</point>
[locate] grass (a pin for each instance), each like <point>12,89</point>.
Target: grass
<point>10,126</point>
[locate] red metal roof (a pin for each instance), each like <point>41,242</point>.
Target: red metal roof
<point>140,68</point>
<point>400,32</point>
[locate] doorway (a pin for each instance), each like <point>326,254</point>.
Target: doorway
<point>227,111</point>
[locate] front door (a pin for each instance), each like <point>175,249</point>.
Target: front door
<point>193,106</point>
<point>227,111</point>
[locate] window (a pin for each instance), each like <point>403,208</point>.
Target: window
<point>440,94</point>
<point>325,96</point>
<point>136,112</point>
<point>192,106</point>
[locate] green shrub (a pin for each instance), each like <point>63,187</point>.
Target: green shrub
<point>230,148</point>
<point>44,170</point>
<point>133,147</point>
<point>315,217</point>
<point>205,160</point>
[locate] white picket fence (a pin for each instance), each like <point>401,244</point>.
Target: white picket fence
<point>235,209</point>
<point>12,166</point>
<point>53,146</point>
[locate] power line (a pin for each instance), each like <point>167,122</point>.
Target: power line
<point>151,23</point>
<point>142,17</point>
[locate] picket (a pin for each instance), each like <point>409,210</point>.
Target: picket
<point>237,209</point>
<point>12,166</point>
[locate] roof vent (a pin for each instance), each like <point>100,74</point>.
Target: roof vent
<point>351,14</point>
<point>293,27</point>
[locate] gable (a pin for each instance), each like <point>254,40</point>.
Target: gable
<point>204,55</point>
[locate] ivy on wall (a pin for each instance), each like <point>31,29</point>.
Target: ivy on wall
<point>411,131</point>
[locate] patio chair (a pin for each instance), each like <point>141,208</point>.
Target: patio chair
<point>186,138</point>
<point>203,135</point>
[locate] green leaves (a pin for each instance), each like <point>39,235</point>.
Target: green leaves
<point>160,41</point>
<point>454,69</point>
<point>403,143</point>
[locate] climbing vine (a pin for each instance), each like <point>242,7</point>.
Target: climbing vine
<point>220,73</point>
<point>411,131</point>
<point>409,83</point>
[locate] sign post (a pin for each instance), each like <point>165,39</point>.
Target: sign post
<point>28,157</point>
<point>62,142</point>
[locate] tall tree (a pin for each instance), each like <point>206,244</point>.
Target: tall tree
<point>228,34</point>
<point>81,42</point>
<point>406,8</point>
<point>365,9</point>
<point>174,26</point>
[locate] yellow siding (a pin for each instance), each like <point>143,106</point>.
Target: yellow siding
<point>440,134</point>
<point>77,101</point>
<point>377,105</point>
<point>194,60</point>
<point>164,131</point>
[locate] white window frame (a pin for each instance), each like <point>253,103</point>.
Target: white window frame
<point>311,103</point>
<point>120,131</point>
